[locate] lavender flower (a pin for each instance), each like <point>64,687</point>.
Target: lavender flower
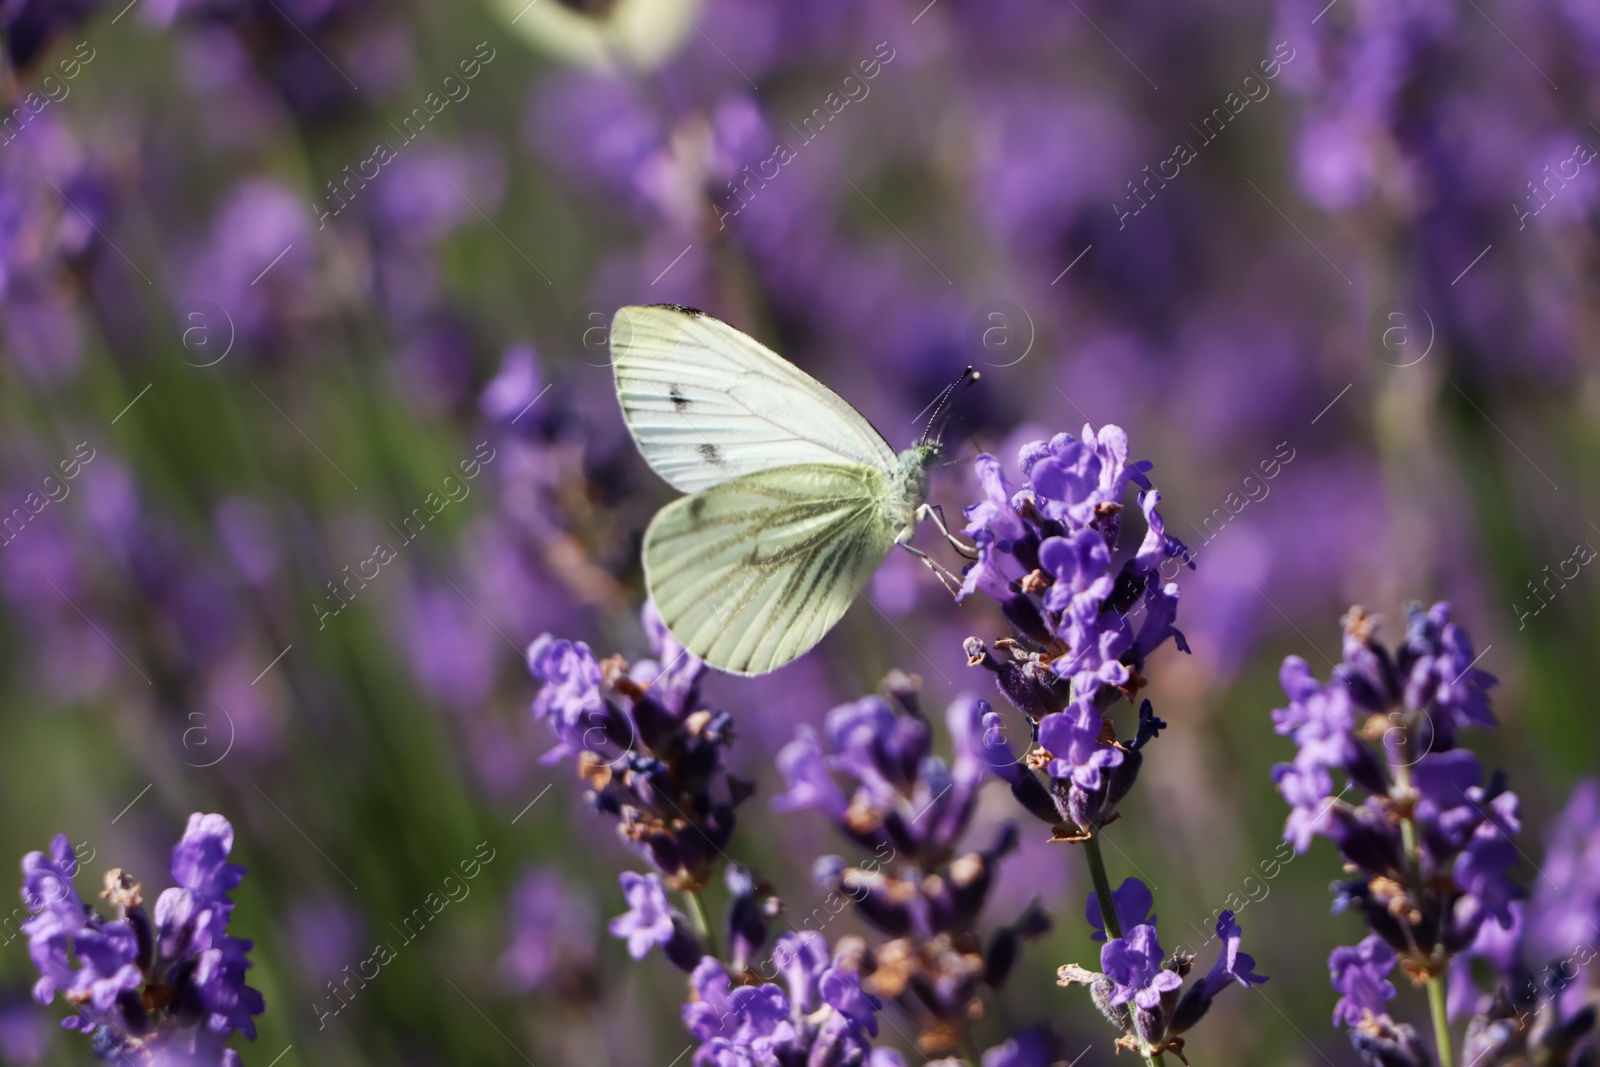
<point>1046,553</point>
<point>1138,988</point>
<point>909,809</point>
<point>1540,1006</point>
<point>1361,977</point>
<point>651,920</point>
<point>1132,901</point>
<point>154,992</point>
<point>1431,677</point>
<point>823,1017</point>
<point>650,757</point>
<point>1133,963</point>
<point>1430,848</point>
<point>1432,906</point>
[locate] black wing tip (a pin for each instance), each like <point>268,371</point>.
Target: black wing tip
<point>684,309</point>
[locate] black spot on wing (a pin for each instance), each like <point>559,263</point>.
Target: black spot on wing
<point>711,453</point>
<point>679,401</point>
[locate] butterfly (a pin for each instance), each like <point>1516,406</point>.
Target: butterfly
<point>794,498</point>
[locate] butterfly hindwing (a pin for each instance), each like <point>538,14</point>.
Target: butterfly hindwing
<point>749,574</point>
<point>706,403</point>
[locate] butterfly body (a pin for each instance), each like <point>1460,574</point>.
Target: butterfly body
<point>909,490</point>
<point>795,500</point>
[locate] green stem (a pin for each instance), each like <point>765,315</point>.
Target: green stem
<point>1108,909</point>
<point>1441,1020</point>
<point>1436,984</point>
<point>697,920</point>
<point>1102,885</point>
<point>969,1048</point>
<point>1408,829</point>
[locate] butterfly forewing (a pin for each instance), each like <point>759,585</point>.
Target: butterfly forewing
<point>707,403</point>
<point>749,574</point>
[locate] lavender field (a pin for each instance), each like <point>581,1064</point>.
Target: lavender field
<point>418,647</point>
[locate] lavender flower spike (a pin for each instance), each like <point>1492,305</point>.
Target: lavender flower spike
<point>1138,991</point>
<point>168,991</point>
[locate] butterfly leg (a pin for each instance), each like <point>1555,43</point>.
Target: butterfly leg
<point>936,513</point>
<point>952,582</point>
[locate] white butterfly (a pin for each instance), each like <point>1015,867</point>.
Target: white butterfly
<point>796,499</point>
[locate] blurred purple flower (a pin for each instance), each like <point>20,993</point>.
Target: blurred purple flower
<point>1037,1046</point>
<point>31,26</point>
<point>1361,977</point>
<point>325,933</point>
<point>552,934</point>
<point>446,647</point>
<point>259,225</point>
<point>24,1034</point>
<point>1565,909</point>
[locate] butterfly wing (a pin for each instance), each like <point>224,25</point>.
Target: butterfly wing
<point>749,574</point>
<point>707,403</point>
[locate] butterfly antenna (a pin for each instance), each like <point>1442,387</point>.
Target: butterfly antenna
<point>947,399</point>
<point>938,406</point>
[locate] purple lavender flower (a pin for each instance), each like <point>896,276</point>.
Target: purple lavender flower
<point>1048,553</point>
<point>1073,738</point>
<point>1232,967</point>
<point>652,759</point>
<point>1132,901</point>
<point>1540,1004</point>
<point>1137,987</point>
<point>257,221</point>
<point>905,800</point>
<point>1431,847</point>
<point>1133,963</point>
<point>824,1017</point>
<point>1361,977</point>
<point>298,55</point>
<point>1463,828</point>
<point>64,927</point>
<point>1431,676</point>
<point>173,989</point>
<point>651,920</point>
<point>909,809</point>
